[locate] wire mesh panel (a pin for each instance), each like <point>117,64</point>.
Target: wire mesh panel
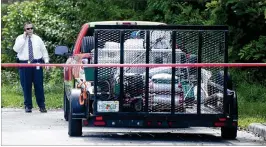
<point>109,51</point>
<point>134,53</point>
<point>160,78</point>
<point>213,48</point>
<point>137,85</point>
<point>108,40</point>
<point>188,43</point>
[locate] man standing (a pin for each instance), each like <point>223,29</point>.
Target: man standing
<point>31,49</point>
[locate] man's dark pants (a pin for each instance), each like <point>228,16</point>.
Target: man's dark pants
<point>29,75</point>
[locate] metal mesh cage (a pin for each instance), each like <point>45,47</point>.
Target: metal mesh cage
<point>160,78</point>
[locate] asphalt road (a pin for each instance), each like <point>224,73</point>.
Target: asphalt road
<point>19,128</point>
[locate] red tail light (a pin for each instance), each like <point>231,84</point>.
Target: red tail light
<point>219,124</point>
<point>85,122</point>
<point>149,123</point>
<point>159,123</point>
<point>99,118</point>
<point>99,123</point>
<point>222,119</point>
<point>170,123</point>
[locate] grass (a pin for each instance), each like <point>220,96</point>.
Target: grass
<point>251,112</point>
<point>12,96</point>
<point>251,104</point>
<point>251,99</point>
<point>244,121</point>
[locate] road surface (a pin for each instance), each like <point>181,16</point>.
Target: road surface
<point>20,128</point>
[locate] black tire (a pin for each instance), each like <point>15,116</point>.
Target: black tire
<point>66,106</point>
<point>229,133</point>
<point>74,126</point>
<point>87,44</point>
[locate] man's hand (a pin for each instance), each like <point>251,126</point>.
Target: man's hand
<point>47,67</point>
<point>25,35</point>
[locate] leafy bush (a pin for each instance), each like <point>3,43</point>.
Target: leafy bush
<point>255,50</point>
<point>8,77</point>
<point>49,26</point>
<point>52,81</point>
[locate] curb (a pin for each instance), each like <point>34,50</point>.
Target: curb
<point>258,129</point>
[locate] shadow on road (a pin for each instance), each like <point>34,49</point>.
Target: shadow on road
<point>157,137</point>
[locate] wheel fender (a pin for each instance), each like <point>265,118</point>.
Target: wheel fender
<point>233,104</point>
<point>74,102</point>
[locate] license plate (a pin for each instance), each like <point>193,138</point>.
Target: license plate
<point>108,106</point>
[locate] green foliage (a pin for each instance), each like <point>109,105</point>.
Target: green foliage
<point>255,50</point>
<point>49,26</point>
<point>215,13</point>
<point>8,77</point>
<point>3,9</point>
<point>52,81</point>
<point>54,76</point>
<point>174,12</point>
<point>247,22</point>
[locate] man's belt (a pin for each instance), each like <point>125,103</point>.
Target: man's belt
<point>34,61</point>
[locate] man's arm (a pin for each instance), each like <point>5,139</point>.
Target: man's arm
<point>44,52</point>
<point>19,44</point>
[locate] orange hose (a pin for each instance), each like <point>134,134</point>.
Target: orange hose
<point>83,94</point>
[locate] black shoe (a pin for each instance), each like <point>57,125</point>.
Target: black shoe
<point>27,110</point>
<point>43,110</point>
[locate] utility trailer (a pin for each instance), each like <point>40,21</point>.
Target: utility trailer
<point>147,96</point>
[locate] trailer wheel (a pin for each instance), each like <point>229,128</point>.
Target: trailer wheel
<point>229,132</point>
<point>66,106</point>
<point>75,124</point>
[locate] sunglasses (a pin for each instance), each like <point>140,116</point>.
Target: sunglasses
<point>29,28</point>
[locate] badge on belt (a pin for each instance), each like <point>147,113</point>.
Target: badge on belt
<point>28,62</point>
